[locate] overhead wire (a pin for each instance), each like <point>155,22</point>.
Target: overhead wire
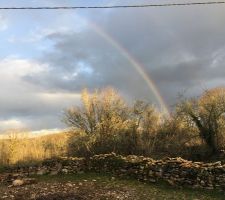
<point>114,6</point>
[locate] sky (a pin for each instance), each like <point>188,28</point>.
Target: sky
<point>48,56</point>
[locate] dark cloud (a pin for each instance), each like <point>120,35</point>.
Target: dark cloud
<point>94,61</point>
<point>189,73</point>
<point>179,48</point>
<point>175,46</point>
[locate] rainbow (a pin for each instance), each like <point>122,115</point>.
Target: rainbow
<point>134,63</point>
<point>139,67</point>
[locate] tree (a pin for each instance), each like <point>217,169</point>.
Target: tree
<point>104,112</point>
<point>207,113</point>
<point>145,122</point>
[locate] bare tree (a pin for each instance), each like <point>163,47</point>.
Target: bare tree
<point>103,111</point>
<point>207,113</point>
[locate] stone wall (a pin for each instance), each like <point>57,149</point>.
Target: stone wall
<point>175,171</point>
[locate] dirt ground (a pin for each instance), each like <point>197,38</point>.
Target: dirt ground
<point>69,191</point>
<point>100,187</point>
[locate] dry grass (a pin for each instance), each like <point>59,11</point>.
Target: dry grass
<point>20,147</point>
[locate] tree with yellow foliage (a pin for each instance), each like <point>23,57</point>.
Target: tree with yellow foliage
<point>104,112</point>
<point>207,113</point>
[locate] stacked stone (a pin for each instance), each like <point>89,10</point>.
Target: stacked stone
<point>64,165</point>
<point>176,171</point>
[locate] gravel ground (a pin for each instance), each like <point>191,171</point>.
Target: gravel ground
<point>68,191</point>
<point>100,187</point>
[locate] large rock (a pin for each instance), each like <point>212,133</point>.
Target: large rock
<point>18,182</point>
<point>24,181</point>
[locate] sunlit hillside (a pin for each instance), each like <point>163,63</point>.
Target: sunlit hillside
<point>20,147</point>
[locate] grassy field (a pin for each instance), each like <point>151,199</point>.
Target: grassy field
<point>96,186</point>
<point>21,147</point>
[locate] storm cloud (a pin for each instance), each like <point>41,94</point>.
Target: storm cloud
<point>178,48</point>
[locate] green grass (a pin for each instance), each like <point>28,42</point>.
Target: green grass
<point>141,190</point>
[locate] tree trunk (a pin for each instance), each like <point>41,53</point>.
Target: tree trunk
<point>208,136</point>
<point>211,142</point>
